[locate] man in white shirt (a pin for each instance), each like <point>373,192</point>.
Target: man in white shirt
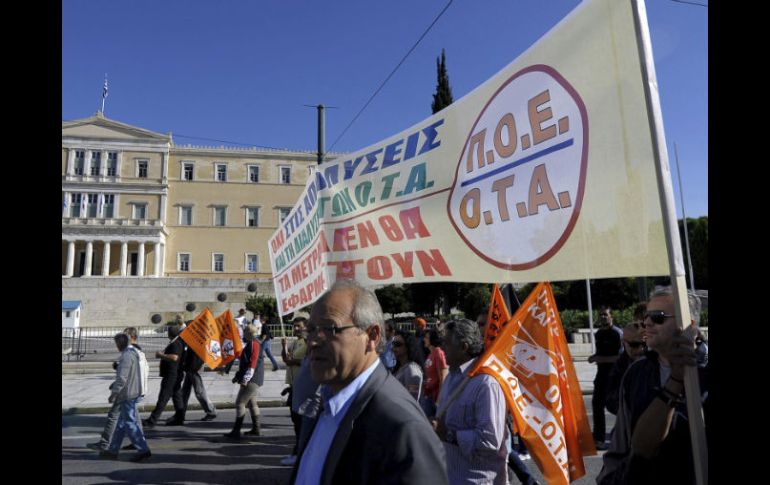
<point>391,441</point>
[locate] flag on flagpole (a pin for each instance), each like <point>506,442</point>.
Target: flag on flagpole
<point>104,89</point>
<point>497,317</point>
<point>531,361</point>
<point>214,340</point>
<point>66,204</point>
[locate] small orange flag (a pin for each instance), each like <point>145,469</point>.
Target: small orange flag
<point>497,317</point>
<point>531,361</point>
<point>214,340</point>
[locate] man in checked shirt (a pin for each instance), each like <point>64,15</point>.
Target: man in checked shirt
<point>473,429</point>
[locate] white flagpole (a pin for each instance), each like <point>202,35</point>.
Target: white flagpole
<point>671,230</point>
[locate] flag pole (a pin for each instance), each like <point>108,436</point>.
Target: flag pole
<point>673,244</point>
<point>684,218</point>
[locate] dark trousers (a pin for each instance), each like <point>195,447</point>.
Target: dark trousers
<point>296,420</point>
<point>193,381</point>
<point>599,400</point>
<point>170,388</point>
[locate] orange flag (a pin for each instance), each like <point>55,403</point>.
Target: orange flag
<point>214,340</point>
<point>497,317</point>
<point>531,361</point>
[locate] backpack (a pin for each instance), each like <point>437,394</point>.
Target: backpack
<point>144,371</point>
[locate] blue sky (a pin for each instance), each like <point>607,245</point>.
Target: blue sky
<point>243,71</point>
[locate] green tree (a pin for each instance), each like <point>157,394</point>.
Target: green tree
<point>475,299</point>
<point>443,96</point>
<point>698,233</point>
<point>393,299</point>
<point>264,305</point>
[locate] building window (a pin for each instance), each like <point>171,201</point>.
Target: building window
<point>141,169</point>
<point>221,172</point>
<point>220,216</point>
<point>251,263</point>
<point>184,261</point>
<point>75,204</point>
<point>68,314</point>
<point>185,215</point>
<point>219,262</point>
<point>187,171</point>
<point>96,162</point>
<point>80,162</point>
<point>92,204</point>
<point>252,216</point>
<point>112,164</point>
<point>283,213</point>
<point>140,211</point>
<point>109,206</point>
<point>253,173</point>
<point>285,175</point>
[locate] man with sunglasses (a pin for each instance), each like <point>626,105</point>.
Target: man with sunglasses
<point>651,440</point>
<point>370,429</point>
<point>633,349</point>
<point>608,348</point>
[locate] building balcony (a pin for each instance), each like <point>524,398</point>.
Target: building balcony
<point>116,222</point>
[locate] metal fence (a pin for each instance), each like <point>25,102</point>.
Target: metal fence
<point>98,344</point>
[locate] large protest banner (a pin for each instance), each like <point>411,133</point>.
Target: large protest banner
<point>532,362</point>
<point>543,173</point>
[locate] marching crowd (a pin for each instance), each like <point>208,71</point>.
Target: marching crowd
<point>374,404</point>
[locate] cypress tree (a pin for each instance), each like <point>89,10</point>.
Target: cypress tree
<point>443,96</point>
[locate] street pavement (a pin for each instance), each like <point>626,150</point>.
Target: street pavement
<point>197,453</point>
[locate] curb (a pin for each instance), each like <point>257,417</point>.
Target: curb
<point>146,408</point>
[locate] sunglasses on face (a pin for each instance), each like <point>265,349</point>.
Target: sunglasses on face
<point>397,343</point>
<point>657,317</point>
<point>634,345</point>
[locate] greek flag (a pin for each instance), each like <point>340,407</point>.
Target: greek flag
<point>104,89</point>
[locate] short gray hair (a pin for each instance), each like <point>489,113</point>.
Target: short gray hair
<point>692,299</point>
<point>466,332</point>
<point>366,308</point>
<point>250,329</point>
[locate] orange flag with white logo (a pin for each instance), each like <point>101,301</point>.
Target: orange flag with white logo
<point>214,340</point>
<point>497,317</point>
<point>531,361</point>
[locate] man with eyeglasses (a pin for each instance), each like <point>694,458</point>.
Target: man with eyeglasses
<point>608,348</point>
<point>651,440</point>
<point>370,429</point>
<point>633,348</point>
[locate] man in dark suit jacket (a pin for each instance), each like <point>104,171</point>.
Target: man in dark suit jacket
<point>370,429</point>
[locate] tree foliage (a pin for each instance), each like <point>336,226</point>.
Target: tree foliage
<point>443,95</point>
<point>393,299</point>
<point>264,305</point>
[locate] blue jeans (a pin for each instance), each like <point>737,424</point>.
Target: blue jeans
<point>128,424</point>
<point>514,462</point>
<point>269,353</point>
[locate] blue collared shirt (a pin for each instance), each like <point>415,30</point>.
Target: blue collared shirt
<point>335,407</point>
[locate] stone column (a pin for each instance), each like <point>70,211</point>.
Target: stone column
<point>89,258</point>
<point>140,260</point>
<point>106,259</point>
<point>70,162</point>
<point>103,166</point>
<point>70,258</point>
<point>156,258</point>
<point>123,257</point>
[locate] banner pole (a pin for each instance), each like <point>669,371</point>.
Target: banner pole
<point>673,244</point>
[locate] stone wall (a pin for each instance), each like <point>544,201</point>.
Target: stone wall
<point>119,302</point>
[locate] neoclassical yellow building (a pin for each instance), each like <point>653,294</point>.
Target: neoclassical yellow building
<point>136,204</point>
